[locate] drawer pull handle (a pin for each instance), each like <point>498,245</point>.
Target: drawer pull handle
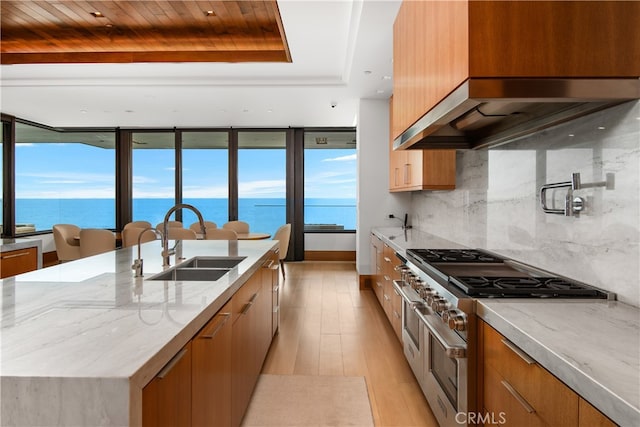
<point>15,255</point>
<point>173,362</point>
<point>519,398</point>
<point>219,323</point>
<point>387,259</point>
<point>511,346</point>
<point>387,278</point>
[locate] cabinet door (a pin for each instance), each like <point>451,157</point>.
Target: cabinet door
<point>211,372</point>
<point>377,260</point>
<point>166,400</point>
<point>18,261</point>
<point>245,344</point>
<point>527,394</point>
<point>591,417</point>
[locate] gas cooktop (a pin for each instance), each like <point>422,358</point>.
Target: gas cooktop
<point>479,274</point>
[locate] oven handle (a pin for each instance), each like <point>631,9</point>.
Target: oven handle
<point>453,351</point>
<point>413,302</point>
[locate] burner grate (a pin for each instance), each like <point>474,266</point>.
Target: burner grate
<point>453,255</point>
<point>524,286</point>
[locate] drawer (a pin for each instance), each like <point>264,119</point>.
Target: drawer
<point>508,370</point>
<point>18,261</point>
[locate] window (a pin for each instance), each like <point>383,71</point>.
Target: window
<point>262,172</point>
<point>205,175</point>
<point>153,172</point>
<point>63,177</point>
<point>329,181</point>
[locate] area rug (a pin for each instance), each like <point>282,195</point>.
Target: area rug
<point>303,400</point>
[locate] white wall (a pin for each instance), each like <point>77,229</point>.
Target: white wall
<point>496,202</point>
<point>374,202</point>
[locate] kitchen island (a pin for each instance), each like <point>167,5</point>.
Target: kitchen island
<point>80,340</point>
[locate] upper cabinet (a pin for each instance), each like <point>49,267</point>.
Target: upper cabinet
<point>414,170</point>
<point>465,71</point>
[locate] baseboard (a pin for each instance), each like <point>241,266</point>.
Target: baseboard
<point>49,259</point>
<point>366,281</point>
<point>329,255</point>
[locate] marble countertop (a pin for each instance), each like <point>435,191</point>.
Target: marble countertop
<point>401,240</point>
<point>593,347</point>
<point>7,245</point>
<point>90,319</point>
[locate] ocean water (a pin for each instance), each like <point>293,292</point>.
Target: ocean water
<point>263,215</point>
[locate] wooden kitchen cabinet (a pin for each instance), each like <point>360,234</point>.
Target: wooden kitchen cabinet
<point>415,170</point>
<point>166,400</point>
<point>377,263</point>
<point>516,389</point>
<point>437,45</point>
<point>251,336</point>
<point>211,372</point>
<point>589,416</point>
<point>18,261</point>
<point>393,300</point>
<point>211,380</point>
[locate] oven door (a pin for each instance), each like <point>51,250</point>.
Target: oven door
<point>411,328</point>
<point>444,369</point>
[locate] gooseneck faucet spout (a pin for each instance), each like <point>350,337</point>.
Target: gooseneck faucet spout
<point>166,253</point>
<point>137,264</point>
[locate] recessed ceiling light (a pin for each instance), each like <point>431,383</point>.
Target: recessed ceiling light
<point>209,13</point>
<point>601,128</point>
<point>97,15</point>
<point>269,111</point>
<point>571,135</point>
<point>386,77</point>
<point>380,91</point>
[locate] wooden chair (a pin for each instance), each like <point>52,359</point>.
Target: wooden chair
<point>67,246</point>
<point>137,224</point>
<point>221,234</point>
<point>170,224</point>
<point>130,236</point>
<point>207,225</point>
<point>283,235</point>
<point>94,241</point>
<point>176,233</point>
<point>240,227</point>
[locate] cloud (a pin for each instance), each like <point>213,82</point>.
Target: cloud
<point>137,179</point>
<point>70,193</point>
<point>264,188</point>
<point>350,157</point>
<point>71,177</point>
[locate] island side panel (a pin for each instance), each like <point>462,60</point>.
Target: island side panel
<point>64,401</point>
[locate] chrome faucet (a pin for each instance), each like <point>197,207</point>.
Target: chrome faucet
<point>137,264</point>
<point>166,252</point>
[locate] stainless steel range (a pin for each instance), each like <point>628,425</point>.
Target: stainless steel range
<point>439,288</point>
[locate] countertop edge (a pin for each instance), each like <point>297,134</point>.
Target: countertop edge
<point>614,407</point>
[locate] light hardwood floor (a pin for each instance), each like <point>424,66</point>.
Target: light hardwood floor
<point>329,327</point>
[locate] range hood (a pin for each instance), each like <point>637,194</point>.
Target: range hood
<point>484,112</point>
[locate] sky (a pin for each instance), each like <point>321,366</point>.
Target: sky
<point>65,170</point>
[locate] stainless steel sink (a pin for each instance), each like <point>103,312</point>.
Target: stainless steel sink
<point>189,274</point>
<point>212,262</point>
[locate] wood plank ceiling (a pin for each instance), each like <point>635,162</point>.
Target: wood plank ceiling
<point>109,31</point>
